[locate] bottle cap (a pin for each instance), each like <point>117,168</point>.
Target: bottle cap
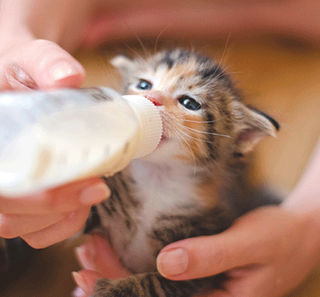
<point>150,124</point>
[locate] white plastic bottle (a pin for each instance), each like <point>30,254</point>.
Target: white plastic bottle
<point>51,138</point>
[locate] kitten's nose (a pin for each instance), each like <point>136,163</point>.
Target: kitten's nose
<point>155,97</point>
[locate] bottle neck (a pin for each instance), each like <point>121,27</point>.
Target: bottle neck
<point>150,124</point>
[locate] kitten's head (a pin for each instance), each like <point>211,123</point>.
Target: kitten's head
<point>204,120</point>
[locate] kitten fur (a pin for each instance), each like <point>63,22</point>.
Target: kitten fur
<point>193,184</point>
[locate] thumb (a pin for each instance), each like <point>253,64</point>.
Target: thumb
<point>39,64</point>
<point>242,244</point>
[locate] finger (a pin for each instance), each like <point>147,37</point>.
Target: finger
<point>241,245</point>
<point>202,257</point>
<point>17,225</point>
<point>40,64</point>
<point>307,186</point>
<point>59,231</point>
<point>78,292</point>
<point>65,198</point>
<point>96,254</point>
<point>86,280</point>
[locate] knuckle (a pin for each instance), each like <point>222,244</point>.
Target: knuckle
<point>220,254</point>
<point>42,43</point>
<point>6,233</point>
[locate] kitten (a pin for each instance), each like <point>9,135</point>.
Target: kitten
<point>194,183</point>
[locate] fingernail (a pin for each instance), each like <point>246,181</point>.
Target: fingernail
<point>86,254</point>
<point>94,194</point>
<point>78,292</point>
<point>172,262</point>
<point>84,257</point>
<point>80,281</point>
<point>62,70</point>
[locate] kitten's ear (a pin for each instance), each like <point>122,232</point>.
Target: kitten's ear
<point>252,126</point>
<point>123,64</point>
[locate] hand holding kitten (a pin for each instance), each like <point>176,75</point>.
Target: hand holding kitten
<point>266,252</point>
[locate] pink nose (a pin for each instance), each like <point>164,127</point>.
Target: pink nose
<point>155,97</point>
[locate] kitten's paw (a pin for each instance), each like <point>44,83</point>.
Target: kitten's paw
<point>117,288</point>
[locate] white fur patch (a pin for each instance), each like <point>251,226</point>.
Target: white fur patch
<point>162,188</point>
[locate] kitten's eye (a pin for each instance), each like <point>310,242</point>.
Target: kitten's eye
<point>144,85</point>
<point>189,102</point>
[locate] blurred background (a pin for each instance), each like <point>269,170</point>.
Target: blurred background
<point>271,48</point>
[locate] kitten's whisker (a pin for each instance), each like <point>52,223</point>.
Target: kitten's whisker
<point>199,122</point>
<point>206,133</point>
<point>194,121</point>
<point>185,133</point>
<point>224,52</point>
<point>139,40</point>
<point>158,37</point>
<point>174,117</point>
<point>188,130</point>
<point>193,155</point>
<point>136,53</point>
<point>187,145</point>
<point>220,75</point>
<point>183,116</point>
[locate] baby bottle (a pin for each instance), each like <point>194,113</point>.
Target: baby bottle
<point>55,137</point>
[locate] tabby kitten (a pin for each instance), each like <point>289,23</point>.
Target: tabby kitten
<point>193,184</point>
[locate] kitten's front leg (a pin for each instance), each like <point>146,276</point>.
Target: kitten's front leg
<point>149,285</point>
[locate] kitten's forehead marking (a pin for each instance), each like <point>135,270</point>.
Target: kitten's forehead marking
<point>204,67</point>
<point>177,79</point>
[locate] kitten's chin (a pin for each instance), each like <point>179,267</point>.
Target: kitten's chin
<point>165,151</point>
<point>163,140</point>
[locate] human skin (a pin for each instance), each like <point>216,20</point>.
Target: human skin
<point>265,253</point>
<point>30,55</point>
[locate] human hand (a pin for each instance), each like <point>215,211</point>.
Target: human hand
<point>30,63</point>
<point>51,216</point>
<point>30,57</point>
<point>38,64</point>
<point>266,253</point>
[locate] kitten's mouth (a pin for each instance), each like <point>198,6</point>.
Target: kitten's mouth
<point>163,138</point>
